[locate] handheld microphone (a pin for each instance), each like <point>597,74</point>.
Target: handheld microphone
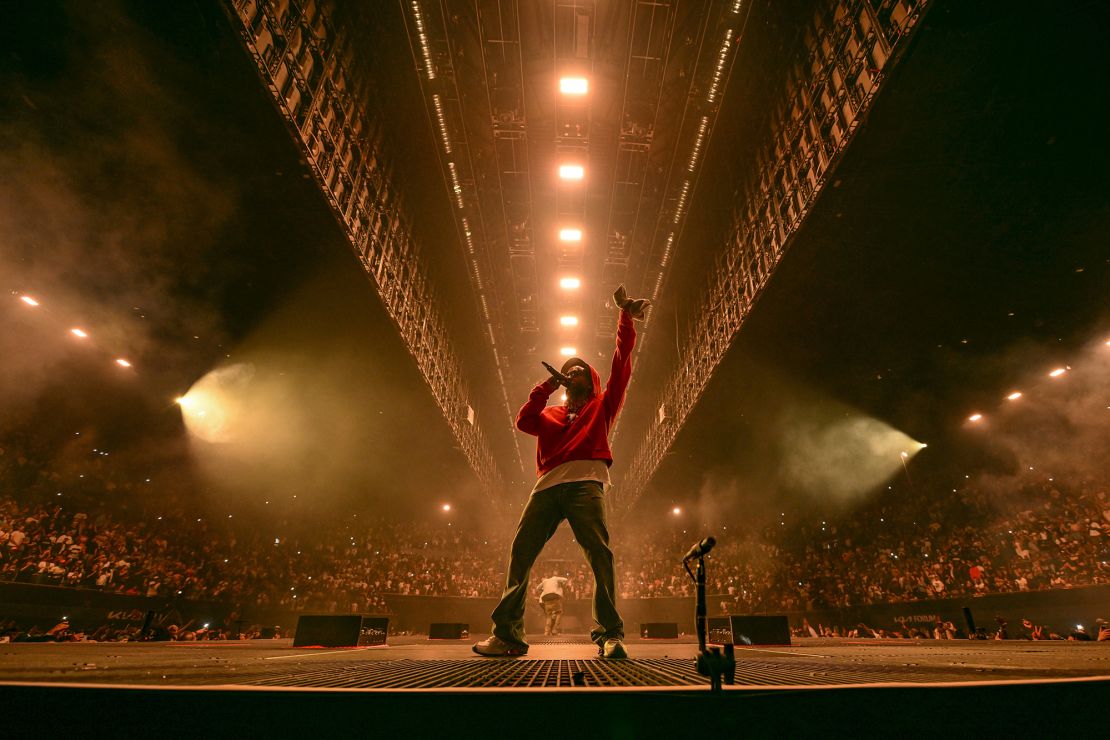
<point>558,376</point>
<point>700,549</point>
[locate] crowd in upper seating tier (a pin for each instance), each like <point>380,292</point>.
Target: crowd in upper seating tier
<point>1040,535</point>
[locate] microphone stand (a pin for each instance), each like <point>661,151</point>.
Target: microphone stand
<point>711,662</point>
<point>699,604</point>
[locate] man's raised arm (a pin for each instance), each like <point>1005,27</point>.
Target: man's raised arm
<point>621,372</point>
<point>528,418</point>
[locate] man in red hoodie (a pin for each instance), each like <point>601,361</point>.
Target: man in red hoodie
<point>572,459</point>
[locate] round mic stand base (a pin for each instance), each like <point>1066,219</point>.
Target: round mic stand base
<point>718,666</point>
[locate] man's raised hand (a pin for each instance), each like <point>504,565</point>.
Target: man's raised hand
<point>636,307</point>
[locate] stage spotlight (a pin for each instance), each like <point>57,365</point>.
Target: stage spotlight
<point>574,85</point>
<point>570,283</point>
<point>447,507</point>
<point>568,351</point>
<point>568,320</point>
<point>1057,372</point>
<point>676,510</point>
<point>28,300</point>
<point>570,235</point>
<point>1014,396</point>
<point>79,333</point>
<point>571,172</point>
<point>975,417</point>
<point>123,363</point>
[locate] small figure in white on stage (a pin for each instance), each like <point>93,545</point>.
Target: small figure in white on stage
<point>551,599</point>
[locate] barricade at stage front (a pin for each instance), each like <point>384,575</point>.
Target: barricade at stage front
<point>30,604</point>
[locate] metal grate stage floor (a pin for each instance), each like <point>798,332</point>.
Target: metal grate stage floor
<point>563,662</point>
<point>416,688</point>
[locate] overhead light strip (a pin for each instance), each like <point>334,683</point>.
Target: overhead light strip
<point>421,34</point>
<point>442,122</point>
<point>719,70</point>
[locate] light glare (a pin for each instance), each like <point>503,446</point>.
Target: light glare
<point>1014,396</point>
<point>28,300</point>
<point>571,283</point>
<point>1057,372</point>
<point>123,363</point>
<point>568,351</point>
<point>447,507</point>
<point>574,85</point>
<point>568,320</point>
<point>975,417</point>
<point>78,333</point>
<point>571,172</point>
<point>570,235</point>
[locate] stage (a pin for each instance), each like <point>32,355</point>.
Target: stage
<point>418,685</point>
<point>552,663</point>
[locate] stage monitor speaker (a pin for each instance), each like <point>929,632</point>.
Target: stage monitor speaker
<point>340,630</point>
<point>267,633</point>
<point>448,631</point>
<point>749,630</point>
<point>719,630</point>
<point>659,630</point>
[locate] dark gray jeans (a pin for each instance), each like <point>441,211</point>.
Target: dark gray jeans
<point>582,503</point>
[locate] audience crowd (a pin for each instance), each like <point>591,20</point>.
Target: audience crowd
<point>970,542</point>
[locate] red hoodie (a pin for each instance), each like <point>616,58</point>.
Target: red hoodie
<point>586,437</point>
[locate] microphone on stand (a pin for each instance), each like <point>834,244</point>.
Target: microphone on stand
<point>700,549</point>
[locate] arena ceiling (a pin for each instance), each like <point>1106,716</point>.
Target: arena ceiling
<point>958,246</point>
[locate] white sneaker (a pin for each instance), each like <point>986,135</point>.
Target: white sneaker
<point>614,650</point>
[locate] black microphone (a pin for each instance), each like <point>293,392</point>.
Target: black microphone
<point>700,549</point>
<point>558,376</point>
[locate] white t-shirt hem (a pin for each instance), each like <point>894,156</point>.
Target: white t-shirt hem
<point>574,471</point>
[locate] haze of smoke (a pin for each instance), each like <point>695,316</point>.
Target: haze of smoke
<point>103,214</point>
<point>325,413</point>
<point>838,456</point>
<point>1059,427</point>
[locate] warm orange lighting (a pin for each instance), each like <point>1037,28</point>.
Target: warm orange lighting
<point>568,351</point>
<point>676,510</point>
<point>1057,372</point>
<point>571,283</point>
<point>78,333</point>
<point>568,320</point>
<point>123,363</point>
<point>975,417</point>
<point>574,85</point>
<point>1014,396</point>
<point>571,172</point>
<point>447,507</point>
<point>570,235</point>
<point>28,300</point>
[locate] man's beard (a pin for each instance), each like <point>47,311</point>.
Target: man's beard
<point>578,394</point>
